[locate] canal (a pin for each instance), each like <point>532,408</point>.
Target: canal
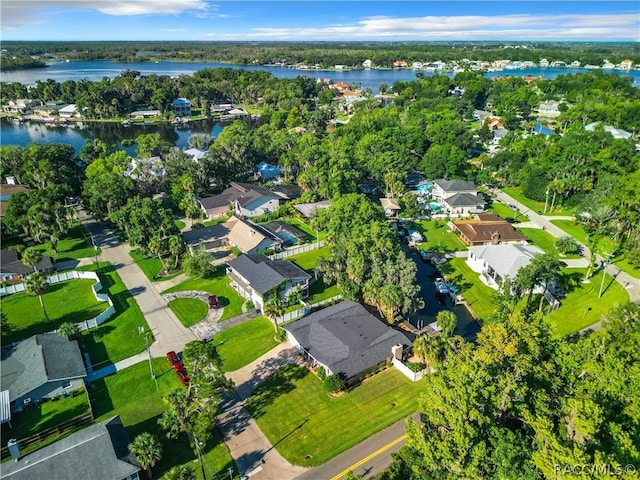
<point>467,327</point>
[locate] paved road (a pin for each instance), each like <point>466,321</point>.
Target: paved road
<point>168,332</point>
<point>368,458</point>
<point>629,283</point>
<point>253,453</point>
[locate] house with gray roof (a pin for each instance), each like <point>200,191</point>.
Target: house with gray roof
<point>41,367</point>
<point>495,263</point>
<point>209,238</point>
<point>257,278</point>
<point>13,270</point>
<point>457,197</point>
<point>346,340</point>
<point>100,451</point>
<point>246,200</point>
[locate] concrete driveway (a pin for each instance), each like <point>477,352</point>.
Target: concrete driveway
<point>253,453</point>
<point>168,332</point>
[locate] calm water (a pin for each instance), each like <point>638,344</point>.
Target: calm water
<point>96,70</point>
<point>12,133</point>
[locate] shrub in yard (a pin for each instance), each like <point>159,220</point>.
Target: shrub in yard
<point>248,306</point>
<point>333,383</point>
<point>414,367</point>
<point>322,373</point>
<point>281,335</point>
<point>567,245</point>
<point>198,264</point>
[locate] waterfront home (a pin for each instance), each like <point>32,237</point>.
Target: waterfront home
<point>390,206</point>
<point>182,107</point>
<point>258,278</point>
<point>195,154</point>
<point>626,64</point>
<point>21,105</point>
<point>487,229</point>
<point>549,109</point>
<point>41,367</point>
<point>400,64</point>
<point>458,197</point>
<point>544,63</point>
<point>69,111</point>
<point>100,451</point>
<point>141,114</point>
<point>346,340</point>
<point>495,263</point>
<point>48,109</point>
<point>367,64</point>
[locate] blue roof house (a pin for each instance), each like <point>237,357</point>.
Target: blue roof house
<point>182,107</point>
<point>267,172</point>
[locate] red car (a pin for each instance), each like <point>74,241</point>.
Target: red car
<point>175,361</point>
<point>214,302</point>
<point>183,376</point>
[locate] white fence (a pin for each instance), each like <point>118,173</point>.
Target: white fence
<point>290,252</point>
<point>73,275</point>
<point>301,312</point>
<point>407,372</point>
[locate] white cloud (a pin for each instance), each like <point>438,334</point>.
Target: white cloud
<point>16,13</point>
<point>526,27</point>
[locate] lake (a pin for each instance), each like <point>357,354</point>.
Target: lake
<point>96,70</point>
<point>76,134</point>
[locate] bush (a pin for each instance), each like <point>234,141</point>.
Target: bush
<point>567,245</point>
<point>281,335</point>
<point>198,264</point>
<point>249,305</point>
<point>414,367</point>
<point>322,373</point>
<point>333,383</point>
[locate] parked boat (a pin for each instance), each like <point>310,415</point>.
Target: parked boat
<point>441,286</point>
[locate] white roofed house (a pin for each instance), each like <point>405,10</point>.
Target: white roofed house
<point>69,111</point>
<point>495,263</point>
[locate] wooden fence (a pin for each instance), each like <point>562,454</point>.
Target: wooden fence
<point>59,429</point>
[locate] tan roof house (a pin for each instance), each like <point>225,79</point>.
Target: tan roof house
<point>487,229</point>
<point>390,206</point>
<point>251,238</point>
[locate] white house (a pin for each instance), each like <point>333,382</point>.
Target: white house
<point>69,111</point>
<point>458,197</point>
<point>495,263</point>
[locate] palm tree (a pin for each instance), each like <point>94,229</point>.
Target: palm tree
<point>432,350</point>
<point>69,330</point>
<point>158,246</point>
<point>32,257</point>
<point>181,472</point>
<point>447,321</point>
<point>273,308</point>
<point>37,285</point>
<point>147,449</point>
<point>176,247</point>
<point>567,245</point>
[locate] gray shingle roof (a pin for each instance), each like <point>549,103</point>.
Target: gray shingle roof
<point>206,234</point>
<point>38,360</point>
<point>465,200</point>
<point>96,452</point>
<point>9,263</point>
<point>454,185</point>
<point>346,338</point>
<point>264,274</point>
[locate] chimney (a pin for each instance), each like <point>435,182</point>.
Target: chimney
<point>495,238</point>
<point>396,351</point>
<point>14,449</point>
<point>252,233</point>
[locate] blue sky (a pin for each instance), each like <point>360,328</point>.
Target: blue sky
<point>315,20</point>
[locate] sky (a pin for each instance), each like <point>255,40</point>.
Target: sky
<point>347,20</point>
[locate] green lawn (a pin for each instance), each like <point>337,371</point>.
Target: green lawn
<point>319,291</point>
<point>308,260</point>
<point>118,337</point>
<point>46,415</point>
<point>502,210</point>
<point>573,229</point>
<point>240,345</point>
<point>437,236</point>
<point>219,285</point>
<point>582,307</point>
<point>180,224</point>
<point>627,268</point>
<point>151,266</point>
<point>479,297</point>
<point>545,241</point>
<point>189,310</point>
<point>71,301</point>
<point>76,243</point>
<point>516,192</point>
<point>131,393</point>
<point>316,427</point>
